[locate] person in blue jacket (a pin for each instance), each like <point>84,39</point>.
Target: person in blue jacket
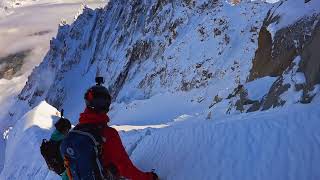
<point>62,127</point>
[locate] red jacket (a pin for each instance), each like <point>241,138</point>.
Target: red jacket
<point>113,150</point>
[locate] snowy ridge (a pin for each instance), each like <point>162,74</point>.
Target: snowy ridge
<point>25,32</point>
<point>277,144</point>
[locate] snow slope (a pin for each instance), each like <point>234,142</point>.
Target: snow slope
<point>33,126</point>
<point>29,26</point>
<point>291,11</point>
<point>282,143</point>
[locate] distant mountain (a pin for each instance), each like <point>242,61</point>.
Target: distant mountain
<point>25,31</point>
<point>147,48</point>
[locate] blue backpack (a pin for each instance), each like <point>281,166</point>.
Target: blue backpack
<point>81,150</point>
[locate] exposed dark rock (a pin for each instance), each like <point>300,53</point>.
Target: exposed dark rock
<point>202,33</point>
<point>173,27</point>
<point>199,81</point>
<point>226,39</point>
<point>273,57</point>
<point>216,32</point>
<point>255,106</point>
<point>306,98</point>
<point>210,4</point>
<point>243,94</point>
<point>188,2</point>
<point>310,63</point>
<point>273,97</point>
<point>57,101</point>
<point>12,64</point>
<point>216,100</point>
<point>158,6</point>
<point>148,80</point>
<point>243,100</point>
<point>235,92</point>
<point>40,33</point>
<point>140,51</point>
<point>263,55</point>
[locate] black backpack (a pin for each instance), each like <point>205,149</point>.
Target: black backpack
<point>50,151</point>
<point>82,150</point>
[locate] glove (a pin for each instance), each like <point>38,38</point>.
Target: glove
<point>155,176</point>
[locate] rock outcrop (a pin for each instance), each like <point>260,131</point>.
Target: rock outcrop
<point>11,64</point>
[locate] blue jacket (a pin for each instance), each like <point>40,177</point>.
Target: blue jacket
<point>58,136</point>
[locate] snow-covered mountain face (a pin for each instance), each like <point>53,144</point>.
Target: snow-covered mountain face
<point>211,49</point>
<point>147,48</point>
<point>170,61</point>
<point>7,4</point>
<point>25,32</point>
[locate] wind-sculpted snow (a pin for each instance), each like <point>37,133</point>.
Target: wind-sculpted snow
<point>281,144</point>
<point>276,144</point>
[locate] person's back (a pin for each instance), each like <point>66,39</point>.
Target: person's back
<point>109,148</point>
<point>51,149</point>
<point>114,156</point>
<point>57,136</point>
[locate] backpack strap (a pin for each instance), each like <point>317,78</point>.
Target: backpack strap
<point>94,132</point>
<point>97,149</point>
<point>86,134</point>
<point>67,166</point>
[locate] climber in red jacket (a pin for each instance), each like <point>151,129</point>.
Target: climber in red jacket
<point>114,157</point>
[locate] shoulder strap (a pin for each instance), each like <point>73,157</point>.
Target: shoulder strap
<point>94,132</point>
<point>84,133</point>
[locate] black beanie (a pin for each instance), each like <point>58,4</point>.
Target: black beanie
<point>62,124</point>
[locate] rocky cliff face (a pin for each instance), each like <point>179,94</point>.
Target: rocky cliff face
<point>213,48</point>
<point>11,64</point>
<point>275,57</point>
<point>310,64</point>
<point>144,48</point>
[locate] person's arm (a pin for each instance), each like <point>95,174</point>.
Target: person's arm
<point>121,160</point>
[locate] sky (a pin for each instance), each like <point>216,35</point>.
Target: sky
<point>20,31</point>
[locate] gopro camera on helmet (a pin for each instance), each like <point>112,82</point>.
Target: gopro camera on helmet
<point>97,97</point>
<point>99,80</point>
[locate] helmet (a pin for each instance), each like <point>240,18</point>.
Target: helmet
<point>63,125</point>
<point>98,98</point>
